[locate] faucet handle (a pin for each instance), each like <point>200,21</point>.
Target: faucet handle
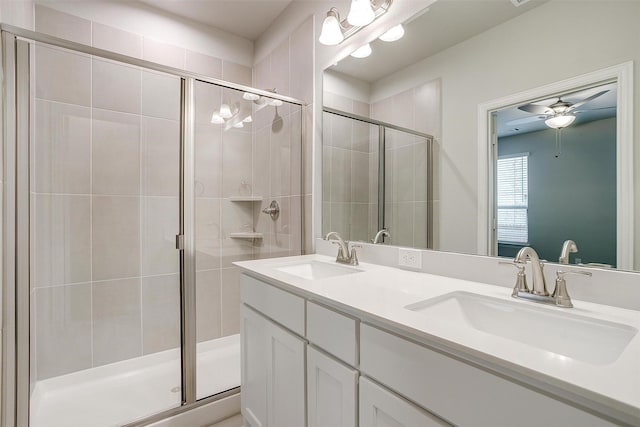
<point>521,279</point>
<point>560,294</point>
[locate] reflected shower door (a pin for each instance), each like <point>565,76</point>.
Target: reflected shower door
<point>407,189</point>
<point>350,169</point>
<point>105,271</point>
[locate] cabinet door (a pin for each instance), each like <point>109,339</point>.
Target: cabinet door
<point>331,391</point>
<point>381,408</point>
<point>285,378</point>
<point>253,342</point>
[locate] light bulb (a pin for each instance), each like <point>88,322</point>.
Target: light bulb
<point>362,51</point>
<point>216,118</point>
<point>250,96</point>
<point>361,13</point>
<point>393,34</point>
<point>560,121</point>
<point>331,34</point>
<point>248,119</point>
<point>225,111</point>
<point>238,125</point>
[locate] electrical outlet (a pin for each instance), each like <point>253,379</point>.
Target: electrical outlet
<point>409,258</point>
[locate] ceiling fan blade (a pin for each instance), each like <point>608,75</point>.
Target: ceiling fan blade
<point>536,109</point>
<point>584,101</point>
<point>596,109</point>
<point>525,120</point>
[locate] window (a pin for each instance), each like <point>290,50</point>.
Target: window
<point>512,197</point>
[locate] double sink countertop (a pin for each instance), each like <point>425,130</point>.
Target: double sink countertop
<point>589,354</point>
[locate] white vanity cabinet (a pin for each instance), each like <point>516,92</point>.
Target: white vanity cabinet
<point>306,364</point>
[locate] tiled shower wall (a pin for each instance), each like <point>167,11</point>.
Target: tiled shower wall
<point>105,205</point>
<point>350,170</point>
<point>406,162</point>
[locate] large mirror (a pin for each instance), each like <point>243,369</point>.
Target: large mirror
<point>456,57</point>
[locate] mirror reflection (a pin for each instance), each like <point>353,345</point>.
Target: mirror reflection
<point>455,56</point>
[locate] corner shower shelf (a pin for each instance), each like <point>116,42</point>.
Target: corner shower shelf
<point>245,198</point>
<point>246,235</point>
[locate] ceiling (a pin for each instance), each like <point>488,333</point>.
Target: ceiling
<point>600,108</point>
<point>444,24</point>
<point>244,18</point>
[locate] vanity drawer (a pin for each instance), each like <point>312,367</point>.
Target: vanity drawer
<point>458,392</point>
<point>281,306</point>
<point>333,332</point>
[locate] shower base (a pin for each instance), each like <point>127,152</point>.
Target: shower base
<point>122,392</point>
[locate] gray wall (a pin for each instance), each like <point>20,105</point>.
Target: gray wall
<point>572,196</point>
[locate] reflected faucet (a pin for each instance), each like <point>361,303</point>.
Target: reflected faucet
<point>344,255</point>
<point>569,246</point>
<point>380,235</point>
<point>539,285</point>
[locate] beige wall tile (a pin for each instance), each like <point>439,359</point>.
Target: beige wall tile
<point>236,217</point>
<point>61,240</point>
<point>296,141</point>
<point>279,74</point>
<point>295,225</point>
<point>208,238</point>
<point>340,217</point>
<point>403,184</point>
<point>340,175</point>
<point>262,162</point>
<point>116,237</point>
<point>280,158</point>
<point>341,132</point>
<point>359,177</point>
<point>208,305</point>
<point>160,157</point>
<point>203,64</point>
<point>361,136</point>
<point>308,220</point>
<point>236,73</point>
<point>117,332</point>
<point>160,216</point>
<point>63,76</point>
<point>62,25</point>
<point>420,167</point>
<point>63,332</point>
<point>301,48</point>
<point>162,53</point>
<point>208,98</point>
<point>160,95</point>
<point>360,222</point>
<point>236,163</point>
<point>361,108</point>
<point>160,313</point>
<point>420,225</point>
<point>116,86</point>
<point>116,40</point>
<point>230,301</point>
<point>208,161</point>
<point>115,153</point>
<point>62,147</point>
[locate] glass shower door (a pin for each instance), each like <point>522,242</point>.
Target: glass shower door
<point>104,215</point>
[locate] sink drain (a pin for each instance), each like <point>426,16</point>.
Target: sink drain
<point>176,389</point>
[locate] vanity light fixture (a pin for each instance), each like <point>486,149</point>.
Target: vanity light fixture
<point>216,118</point>
<point>393,34</point>
<point>225,111</point>
<point>362,51</point>
<point>361,14</point>
<point>560,121</point>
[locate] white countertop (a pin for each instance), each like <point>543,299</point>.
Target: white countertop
<point>379,295</point>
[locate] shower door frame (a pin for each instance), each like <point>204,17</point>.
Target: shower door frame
<point>382,127</point>
<point>16,86</point>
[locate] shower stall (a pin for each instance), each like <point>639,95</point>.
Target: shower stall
<point>129,189</point>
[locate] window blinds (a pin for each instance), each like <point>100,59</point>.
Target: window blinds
<point>512,182</point>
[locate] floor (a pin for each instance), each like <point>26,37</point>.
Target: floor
<point>122,392</point>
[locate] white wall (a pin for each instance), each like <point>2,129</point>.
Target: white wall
<point>507,59</point>
<point>346,86</point>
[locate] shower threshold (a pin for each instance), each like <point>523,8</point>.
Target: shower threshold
<point>122,392</point>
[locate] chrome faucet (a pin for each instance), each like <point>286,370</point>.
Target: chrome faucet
<point>344,255</point>
<point>569,246</point>
<point>380,235</point>
<point>539,285</point>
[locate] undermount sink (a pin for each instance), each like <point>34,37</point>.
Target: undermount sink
<point>582,338</point>
<point>313,270</point>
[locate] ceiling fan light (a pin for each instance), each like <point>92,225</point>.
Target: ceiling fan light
<point>361,13</point>
<point>331,34</point>
<point>362,51</point>
<point>393,34</point>
<point>560,121</point>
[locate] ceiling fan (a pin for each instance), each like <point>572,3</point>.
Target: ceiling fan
<point>558,115</point>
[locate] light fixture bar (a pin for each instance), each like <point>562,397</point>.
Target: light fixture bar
<point>330,31</point>
<point>380,7</point>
